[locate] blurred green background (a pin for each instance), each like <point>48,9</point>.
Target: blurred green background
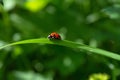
<point>92,22</point>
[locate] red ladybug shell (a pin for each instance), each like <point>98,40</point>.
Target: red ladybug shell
<point>54,35</point>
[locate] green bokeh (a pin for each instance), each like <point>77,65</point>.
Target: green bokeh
<point>92,22</point>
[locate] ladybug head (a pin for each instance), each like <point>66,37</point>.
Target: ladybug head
<point>49,36</point>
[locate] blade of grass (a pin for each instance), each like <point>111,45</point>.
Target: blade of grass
<point>67,44</point>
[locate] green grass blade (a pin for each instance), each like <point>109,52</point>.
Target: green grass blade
<point>67,44</point>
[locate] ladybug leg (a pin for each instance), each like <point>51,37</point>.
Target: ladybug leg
<point>52,37</point>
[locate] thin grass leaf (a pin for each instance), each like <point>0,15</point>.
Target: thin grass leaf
<point>67,43</point>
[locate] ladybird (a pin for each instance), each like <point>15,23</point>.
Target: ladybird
<point>54,35</point>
